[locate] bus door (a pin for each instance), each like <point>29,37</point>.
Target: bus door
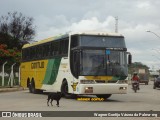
<point>76,63</point>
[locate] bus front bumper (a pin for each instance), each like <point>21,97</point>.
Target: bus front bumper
<point>109,88</point>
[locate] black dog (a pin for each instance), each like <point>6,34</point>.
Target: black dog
<point>54,96</point>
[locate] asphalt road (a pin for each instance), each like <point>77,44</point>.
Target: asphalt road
<point>144,100</point>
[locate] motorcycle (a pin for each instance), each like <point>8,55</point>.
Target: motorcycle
<point>135,86</point>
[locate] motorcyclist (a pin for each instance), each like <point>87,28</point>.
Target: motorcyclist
<point>136,79</point>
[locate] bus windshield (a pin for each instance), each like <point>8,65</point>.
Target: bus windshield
<point>103,62</point>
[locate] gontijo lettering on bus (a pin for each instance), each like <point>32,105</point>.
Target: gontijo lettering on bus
<point>35,65</point>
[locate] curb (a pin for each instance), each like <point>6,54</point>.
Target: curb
<point>7,89</point>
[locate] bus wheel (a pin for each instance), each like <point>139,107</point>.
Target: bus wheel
<point>64,89</point>
<point>29,85</point>
<point>32,87</point>
<point>105,96</point>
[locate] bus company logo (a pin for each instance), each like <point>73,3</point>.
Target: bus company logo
<point>6,114</point>
<point>35,65</point>
<point>74,86</point>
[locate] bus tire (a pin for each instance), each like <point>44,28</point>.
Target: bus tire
<point>105,96</point>
<point>154,87</point>
<point>73,96</point>
<point>64,89</point>
<point>29,85</point>
<point>32,87</point>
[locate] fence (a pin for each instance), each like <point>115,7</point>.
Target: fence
<point>9,75</point>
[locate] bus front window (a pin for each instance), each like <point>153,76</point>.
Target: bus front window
<point>116,63</point>
<point>93,62</point>
<point>98,62</point>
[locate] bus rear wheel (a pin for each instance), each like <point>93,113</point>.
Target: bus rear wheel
<point>32,87</point>
<point>29,85</point>
<point>105,96</point>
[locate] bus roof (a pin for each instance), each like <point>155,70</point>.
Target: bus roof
<point>96,33</point>
<point>45,40</point>
<point>72,33</point>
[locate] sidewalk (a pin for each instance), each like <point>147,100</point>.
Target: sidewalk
<point>10,89</point>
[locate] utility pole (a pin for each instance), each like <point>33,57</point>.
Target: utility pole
<point>116,24</point>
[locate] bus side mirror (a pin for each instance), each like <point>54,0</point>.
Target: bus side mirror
<point>129,59</point>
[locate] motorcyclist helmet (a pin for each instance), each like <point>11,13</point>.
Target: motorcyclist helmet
<point>135,73</point>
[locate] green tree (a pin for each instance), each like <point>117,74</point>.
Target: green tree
<point>16,30</point>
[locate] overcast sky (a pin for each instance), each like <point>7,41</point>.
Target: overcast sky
<point>53,17</point>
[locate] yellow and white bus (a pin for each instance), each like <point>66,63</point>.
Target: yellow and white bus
<point>91,63</point>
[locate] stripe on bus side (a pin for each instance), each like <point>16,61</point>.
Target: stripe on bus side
<point>52,71</point>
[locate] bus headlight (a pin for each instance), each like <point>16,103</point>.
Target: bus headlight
<point>88,89</point>
<point>122,88</point>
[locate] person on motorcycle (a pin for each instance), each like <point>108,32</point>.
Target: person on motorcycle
<point>134,79</point>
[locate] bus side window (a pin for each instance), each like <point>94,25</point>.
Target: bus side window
<point>39,52</point>
<point>61,47</point>
<point>34,53</point>
<point>66,43</point>
<point>49,49</point>
<point>53,49</point>
<point>31,53</point>
<point>56,48</point>
<point>45,50</point>
<point>26,54</point>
